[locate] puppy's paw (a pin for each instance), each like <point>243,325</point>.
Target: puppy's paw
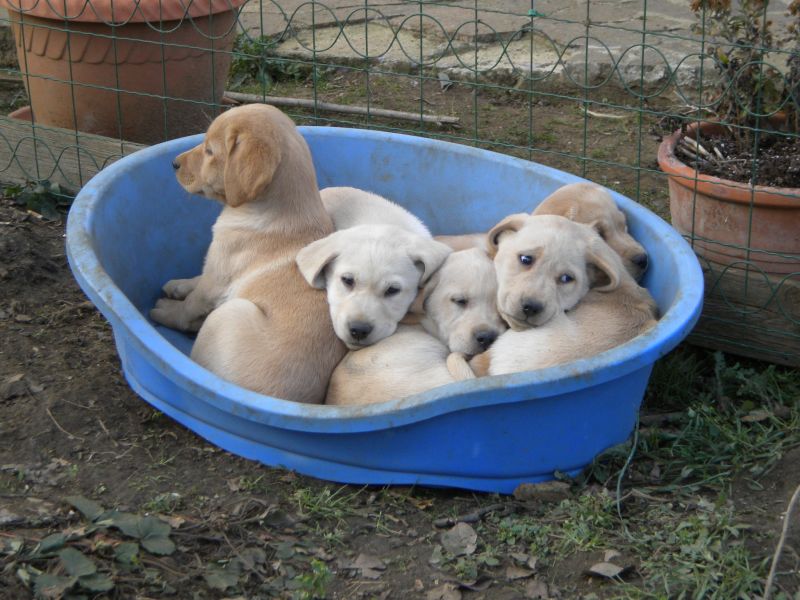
<point>459,367</point>
<point>168,312</point>
<point>178,289</point>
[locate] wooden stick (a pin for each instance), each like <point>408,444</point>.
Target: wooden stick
<point>342,108</point>
<point>776,557</point>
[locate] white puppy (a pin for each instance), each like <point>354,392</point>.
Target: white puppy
<point>408,362</point>
<point>459,303</point>
<point>372,274</point>
<point>350,206</point>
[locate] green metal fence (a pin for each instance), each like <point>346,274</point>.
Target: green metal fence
<point>591,88</point>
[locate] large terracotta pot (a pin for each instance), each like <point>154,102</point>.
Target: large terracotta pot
<point>748,239</point>
<point>140,70</point>
<point>727,218</point>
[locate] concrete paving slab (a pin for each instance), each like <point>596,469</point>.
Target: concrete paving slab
<point>632,43</point>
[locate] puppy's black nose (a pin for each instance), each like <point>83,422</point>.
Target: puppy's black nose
<point>640,260</point>
<point>485,337</point>
<point>531,307</point>
<point>176,165</point>
<point>359,330</point>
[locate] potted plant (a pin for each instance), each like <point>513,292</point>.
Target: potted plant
<point>139,70</point>
<point>734,183</point>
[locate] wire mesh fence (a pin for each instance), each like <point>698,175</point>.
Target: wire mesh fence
<point>591,88</point>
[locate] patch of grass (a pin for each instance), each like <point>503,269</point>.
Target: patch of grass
<point>313,584</point>
<point>326,504</point>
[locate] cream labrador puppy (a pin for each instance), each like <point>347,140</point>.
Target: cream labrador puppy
<point>583,203</point>
<point>458,305</point>
<point>260,325</point>
<point>372,274</point>
<point>565,293</point>
<point>408,362</point>
<point>350,206</point>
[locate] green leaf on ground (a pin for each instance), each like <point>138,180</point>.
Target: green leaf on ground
<point>127,553</point>
<point>158,545</point>
<point>76,563</point>
<point>52,586</point>
<point>96,583</point>
<point>223,577</point>
<point>88,508</point>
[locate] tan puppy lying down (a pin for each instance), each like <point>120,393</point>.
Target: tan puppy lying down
<point>459,308</point>
<point>583,203</point>
<point>372,274</point>
<point>350,206</point>
<point>565,293</point>
<point>265,328</point>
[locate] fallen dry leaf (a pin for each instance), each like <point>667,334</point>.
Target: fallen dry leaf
<point>607,570</point>
<point>610,555</point>
<point>536,589</point>
<point>370,566</point>
<point>448,591</point>
<point>513,572</point>
<point>460,540</point>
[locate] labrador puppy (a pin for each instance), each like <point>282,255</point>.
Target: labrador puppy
<point>260,325</point>
<point>350,206</point>
<point>583,203</point>
<point>372,274</point>
<point>590,204</point>
<point>565,293</point>
<point>458,306</point>
<point>408,362</point>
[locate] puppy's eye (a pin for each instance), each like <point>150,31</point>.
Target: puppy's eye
<point>565,278</point>
<point>348,281</point>
<point>462,302</point>
<point>526,259</point>
<point>391,291</point>
<point>601,232</point>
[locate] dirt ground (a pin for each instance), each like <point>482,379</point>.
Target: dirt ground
<point>71,427</point>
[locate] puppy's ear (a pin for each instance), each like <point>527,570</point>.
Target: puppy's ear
<point>428,255</point>
<point>604,266</point>
<point>418,306</point>
<point>314,258</point>
<point>250,163</point>
<point>511,223</point>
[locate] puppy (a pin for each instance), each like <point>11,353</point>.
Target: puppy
<point>583,203</point>
<point>372,274</point>
<point>408,362</point>
<point>565,293</point>
<point>590,204</point>
<point>349,207</point>
<point>265,329</point>
<point>457,308</point>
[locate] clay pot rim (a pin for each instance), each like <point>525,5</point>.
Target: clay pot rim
<point>723,189</point>
<point>125,11</point>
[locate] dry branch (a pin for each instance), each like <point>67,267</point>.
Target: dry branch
<point>342,108</point>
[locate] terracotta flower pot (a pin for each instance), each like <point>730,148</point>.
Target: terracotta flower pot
<point>730,217</point>
<point>140,70</point>
<point>752,299</point>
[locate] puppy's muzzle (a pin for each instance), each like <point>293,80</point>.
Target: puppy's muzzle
<point>531,307</point>
<point>359,330</point>
<point>485,338</point>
